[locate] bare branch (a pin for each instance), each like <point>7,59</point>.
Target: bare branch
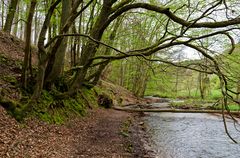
<point>173,17</point>
<point>83,35</point>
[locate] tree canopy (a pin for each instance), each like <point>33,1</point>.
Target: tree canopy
<point>82,41</point>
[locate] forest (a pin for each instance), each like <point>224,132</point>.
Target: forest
<point>74,50</point>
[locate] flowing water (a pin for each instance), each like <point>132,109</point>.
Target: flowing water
<point>185,135</point>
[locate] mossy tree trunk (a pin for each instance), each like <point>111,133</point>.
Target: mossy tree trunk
<point>91,47</point>
<point>45,54</point>
<point>56,61</point>
<point>42,53</point>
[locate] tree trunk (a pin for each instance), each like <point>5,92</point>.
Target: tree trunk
<point>173,110</point>
<point>56,61</point>
<point>10,16</point>
<point>200,81</point>
<point>26,64</point>
<point>3,12</point>
<point>15,29</point>
<point>42,54</point>
<point>90,49</point>
<point>36,28</point>
<point>107,51</point>
<point>74,42</point>
<point>238,90</point>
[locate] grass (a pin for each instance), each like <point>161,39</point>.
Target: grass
<point>214,94</point>
<point>232,107</point>
<point>192,103</point>
<point>208,104</point>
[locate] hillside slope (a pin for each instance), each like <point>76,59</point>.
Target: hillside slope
<point>101,133</point>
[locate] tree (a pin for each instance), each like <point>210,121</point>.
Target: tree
<point>43,52</point>
<point>10,15</point>
<point>56,61</point>
<point>2,14</point>
<point>163,29</point>
<point>27,56</point>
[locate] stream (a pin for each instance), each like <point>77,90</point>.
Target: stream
<point>186,135</point>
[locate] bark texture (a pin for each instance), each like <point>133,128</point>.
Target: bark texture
<point>10,16</point>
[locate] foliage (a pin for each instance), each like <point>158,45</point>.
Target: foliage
<point>231,107</point>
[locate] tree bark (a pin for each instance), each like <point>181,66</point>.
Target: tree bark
<point>91,48</point>
<point>28,32</point>
<point>107,51</point>
<point>2,16</point>
<point>238,90</point>
<point>15,29</point>
<point>56,61</point>
<point>42,54</point>
<point>173,110</point>
<point>36,28</point>
<point>10,16</point>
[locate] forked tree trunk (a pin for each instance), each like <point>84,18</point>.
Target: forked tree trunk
<point>42,54</point>
<point>56,61</point>
<point>90,49</point>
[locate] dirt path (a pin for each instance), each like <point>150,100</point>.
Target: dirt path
<point>97,135</point>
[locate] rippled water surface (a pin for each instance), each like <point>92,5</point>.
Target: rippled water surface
<point>184,135</point>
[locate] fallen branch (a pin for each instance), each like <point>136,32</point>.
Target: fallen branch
<point>173,110</point>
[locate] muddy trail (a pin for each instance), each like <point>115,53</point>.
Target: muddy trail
<point>102,133</point>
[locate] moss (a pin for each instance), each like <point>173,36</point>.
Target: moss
<point>15,64</point>
<point>75,105</point>
<point>58,117</point>
<point>90,96</point>
<point>58,111</point>
<point>10,79</point>
<point>109,97</point>
<point>44,116</point>
<point>13,108</point>
<point>3,59</point>
<point>52,110</point>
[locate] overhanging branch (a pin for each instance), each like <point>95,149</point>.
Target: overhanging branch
<point>83,35</point>
<point>172,16</point>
